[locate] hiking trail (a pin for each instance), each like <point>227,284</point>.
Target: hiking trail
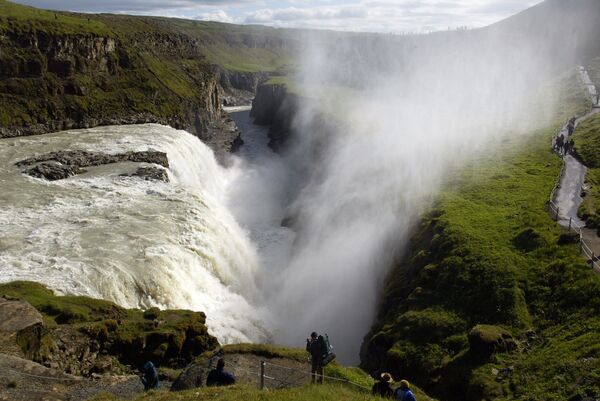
<point>567,195</point>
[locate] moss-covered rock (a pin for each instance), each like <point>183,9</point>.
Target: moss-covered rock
<point>83,328</point>
<point>486,340</point>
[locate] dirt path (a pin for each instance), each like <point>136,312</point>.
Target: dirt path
<point>567,197</point>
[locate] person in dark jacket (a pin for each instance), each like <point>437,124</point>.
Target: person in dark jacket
<point>382,387</point>
<point>219,377</point>
<point>403,393</point>
<point>150,376</point>
<point>315,348</point>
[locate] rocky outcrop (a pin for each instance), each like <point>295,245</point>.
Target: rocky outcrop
<point>90,337</point>
<point>239,87</point>
<point>17,315</point>
<point>151,173</point>
<point>486,340</point>
<point>65,163</point>
<point>276,107</point>
<point>57,81</point>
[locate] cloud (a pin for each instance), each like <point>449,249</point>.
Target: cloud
<point>390,15</point>
<point>348,15</point>
<point>306,14</point>
<point>132,6</point>
<point>217,15</point>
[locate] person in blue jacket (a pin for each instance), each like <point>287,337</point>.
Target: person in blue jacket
<point>150,377</point>
<point>403,393</point>
<point>219,377</point>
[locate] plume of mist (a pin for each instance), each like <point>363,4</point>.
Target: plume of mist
<point>408,112</point>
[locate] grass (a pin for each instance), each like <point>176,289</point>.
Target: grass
<point>24,18</point>
<point>488,253</point>
<point>243,393</point>
<point>161,69</point>
<point>587,147</point>
<point>132,335</point>
<point>263,350</point>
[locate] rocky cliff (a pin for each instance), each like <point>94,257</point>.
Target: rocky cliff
<point>51,82</point>
<point>276,107</point>
<point>61,71</point>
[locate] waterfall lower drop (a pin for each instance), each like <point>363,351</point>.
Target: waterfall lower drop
<point>135,242</point>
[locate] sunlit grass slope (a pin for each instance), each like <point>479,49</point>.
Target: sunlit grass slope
<point>587,147</point>
<point>489,254</point>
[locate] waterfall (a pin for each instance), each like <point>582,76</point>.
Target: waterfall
<point>138,243</point>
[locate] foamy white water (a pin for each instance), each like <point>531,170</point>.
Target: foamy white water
<point>138,243</point>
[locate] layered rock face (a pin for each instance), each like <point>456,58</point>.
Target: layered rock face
<point>239,87</point>
<point>58,81</point>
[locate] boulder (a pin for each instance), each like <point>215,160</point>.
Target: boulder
<point>150,173</point>
<point>53,171</point>
<point>17,315</point>
<point>193,376</point>
<point>486,340</point>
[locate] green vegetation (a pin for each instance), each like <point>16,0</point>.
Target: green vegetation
<point>106,69</point>
<point>488,253</point>
<point>16,17</point>
<point>169,337</point>
<point>263,350</point>
<point>587,147</point>
<point>243,393</point>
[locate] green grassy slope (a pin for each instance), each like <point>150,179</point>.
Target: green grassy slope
<point>488,253</point>
<point>131,335</point>
<point>242,393</point>
<point>587,147</point>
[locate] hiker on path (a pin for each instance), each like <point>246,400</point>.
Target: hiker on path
<point>403,393</point>
<point>570,146</point>
<point>219,377</point>
<point>560,141</point>
<point>316,350</point>
<point>150,376</point>
<point>382,387</point>
<point>571,128</point>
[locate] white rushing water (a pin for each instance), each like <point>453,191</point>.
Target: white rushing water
<point>138,243</point>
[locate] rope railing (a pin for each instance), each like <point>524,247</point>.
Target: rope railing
<point>71,379</point>
<point>338,379</point>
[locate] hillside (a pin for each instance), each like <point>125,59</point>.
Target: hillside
<point>62,70</point>
<point>491,301</point>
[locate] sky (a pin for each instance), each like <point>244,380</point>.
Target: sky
<point>390,16</point>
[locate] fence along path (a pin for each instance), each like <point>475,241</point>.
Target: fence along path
<point>566,195</point>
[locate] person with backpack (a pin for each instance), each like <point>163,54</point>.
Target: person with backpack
<point>219,377</point>
<point>150,376</point>
<point>404,393</point>
<point>382,387</point>
<point>316,348</point>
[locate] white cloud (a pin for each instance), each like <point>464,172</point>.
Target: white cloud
<point>390,15</point>
<point>217,15</point>
<point>348,15</point>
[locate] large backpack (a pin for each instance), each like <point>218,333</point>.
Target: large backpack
<point>326,348</point>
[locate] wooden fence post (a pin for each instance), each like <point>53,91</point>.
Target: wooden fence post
<point>557,209</point>
<point>570,220</point>
<point>262,375</point>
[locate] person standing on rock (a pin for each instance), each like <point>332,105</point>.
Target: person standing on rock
<point>219,377</point>
<point>150,376</point>
<point>315,348</point>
